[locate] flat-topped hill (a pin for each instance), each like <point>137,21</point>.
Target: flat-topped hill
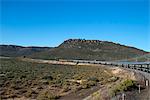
<point>90,50</point>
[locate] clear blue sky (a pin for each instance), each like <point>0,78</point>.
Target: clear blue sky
<point>50,22</point>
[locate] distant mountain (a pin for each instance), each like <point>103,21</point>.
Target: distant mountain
<point>90,50</point>
<point>17,51</point>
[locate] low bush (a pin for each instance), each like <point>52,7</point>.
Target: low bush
<point>123,86</point>
<point>47,95</point>
<point>23,75</point>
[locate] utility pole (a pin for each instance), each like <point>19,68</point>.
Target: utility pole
<point>139,88</point>
<point>147,83</point>
<point>123,96</point>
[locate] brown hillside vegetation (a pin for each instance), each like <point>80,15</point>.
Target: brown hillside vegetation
<point>90,50</point>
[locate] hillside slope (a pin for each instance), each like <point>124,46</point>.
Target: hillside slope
<point>16,51</point>
<point>90,50</point>
<point>142,58</point>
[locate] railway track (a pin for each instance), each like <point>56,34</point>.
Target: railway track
<point>141,66</point>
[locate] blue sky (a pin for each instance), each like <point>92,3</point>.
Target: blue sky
<point>50,22</point>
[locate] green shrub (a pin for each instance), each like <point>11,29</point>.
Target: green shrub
<point>88,84</point>
<point>47,95</point>
<point>93,79</point>
<point>66,89</point>
<point>28,93</point>
<point>85,86</point>
<point>113,79</point>
<point>48,77</point>
<point>91,83</point>
<point>123,86</point>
